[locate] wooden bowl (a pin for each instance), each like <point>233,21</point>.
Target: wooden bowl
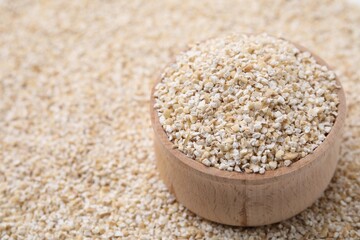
<point>242,199</point>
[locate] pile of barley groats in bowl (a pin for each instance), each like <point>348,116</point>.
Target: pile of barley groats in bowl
<point>246,103</point>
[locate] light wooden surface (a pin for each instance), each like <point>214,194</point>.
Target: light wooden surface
<point>242,199</point>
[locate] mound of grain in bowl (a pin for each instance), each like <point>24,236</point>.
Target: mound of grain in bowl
<point>246,103</point>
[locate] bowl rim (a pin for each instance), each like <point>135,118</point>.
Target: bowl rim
<point>277,174</point>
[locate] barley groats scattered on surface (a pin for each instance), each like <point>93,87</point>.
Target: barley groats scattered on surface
<point>76,149</point>
<point>246,103</point>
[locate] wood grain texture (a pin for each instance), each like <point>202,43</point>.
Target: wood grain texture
<point>242,199</point>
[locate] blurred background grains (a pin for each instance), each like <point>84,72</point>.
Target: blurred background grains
<point>76,156</point>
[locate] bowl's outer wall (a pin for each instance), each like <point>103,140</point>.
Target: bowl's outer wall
<point>244,203</point>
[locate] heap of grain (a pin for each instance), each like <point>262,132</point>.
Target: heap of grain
<point>246,103</point>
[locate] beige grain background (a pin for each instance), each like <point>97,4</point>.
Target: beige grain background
<point>76,156</point>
